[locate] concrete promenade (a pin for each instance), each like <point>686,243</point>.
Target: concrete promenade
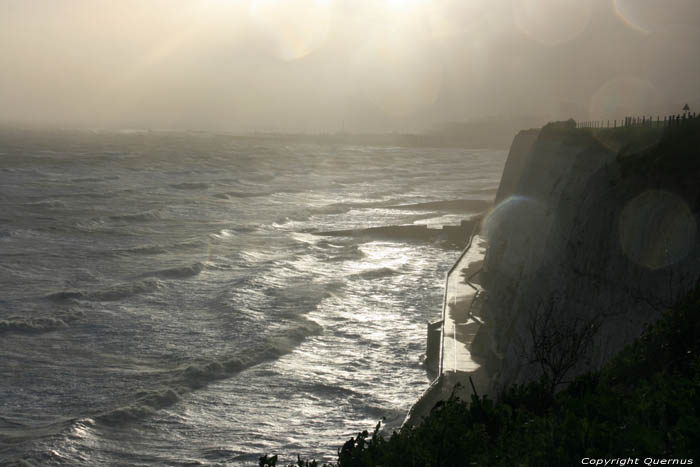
<point>459,325</point>
<point>459,307</point>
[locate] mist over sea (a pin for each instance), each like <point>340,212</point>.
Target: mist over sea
<point>164,299</point>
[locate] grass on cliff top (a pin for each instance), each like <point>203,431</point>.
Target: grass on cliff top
<point>644,403</point>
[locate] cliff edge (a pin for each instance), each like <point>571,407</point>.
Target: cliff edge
<point>595,233</point>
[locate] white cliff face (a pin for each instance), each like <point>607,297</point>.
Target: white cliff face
<point>582,253</point>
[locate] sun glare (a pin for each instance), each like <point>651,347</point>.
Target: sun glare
<point>294,28</point>
<point>402,3</point>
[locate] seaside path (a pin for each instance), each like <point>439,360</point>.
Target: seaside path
<point>459,307</point>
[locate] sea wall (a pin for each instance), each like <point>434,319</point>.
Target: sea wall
<point>592,237</point>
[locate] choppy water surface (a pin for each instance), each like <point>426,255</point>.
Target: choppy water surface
<point>166,302</point>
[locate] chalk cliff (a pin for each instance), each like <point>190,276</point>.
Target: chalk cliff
<point>594,234</point>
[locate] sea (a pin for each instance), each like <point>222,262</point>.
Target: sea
<point>166,298</point>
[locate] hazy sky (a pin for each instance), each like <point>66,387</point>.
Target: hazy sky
<point>316,65</point>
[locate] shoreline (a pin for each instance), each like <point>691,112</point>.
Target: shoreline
<point>455,363</point>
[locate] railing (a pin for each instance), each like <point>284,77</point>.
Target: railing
<point>643,121</point>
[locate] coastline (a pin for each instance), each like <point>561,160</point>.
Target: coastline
<point>551,248</point>
<point>454,364</point>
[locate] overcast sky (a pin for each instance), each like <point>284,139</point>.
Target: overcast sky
<point>321,65</point>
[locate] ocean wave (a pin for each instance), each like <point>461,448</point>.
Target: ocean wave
<point>341,208</point>
<point>158,249</point>
<point>136,217</point>
<point>91,225</point>
<point>48,203</point>
<point>34,325</point>
<point>41,324</point>
<point>241,194</point>
<point>181,272</point>
<point>199,374</point>
<point>453,205</point>
<point>102,194</point>
<point>141,250</point>
<point>190,186</point>
<point>114,293</point>
<point>106,223</point>
<point>24,171</point>
<point>95,179</point>
<point>346,253</point>
<point>300,217</point>
<point>86,180</point>
<point>144,406</point>
<point>377,273</point>
<point>222,234</point>
<point>328,390</point>
<point>23,234</point>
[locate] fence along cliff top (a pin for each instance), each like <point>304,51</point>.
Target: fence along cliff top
<point>643,121</point>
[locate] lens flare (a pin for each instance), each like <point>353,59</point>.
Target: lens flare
<point>627,95</point>
<point>552,22</point>
<point>656,229</point>
<point>630,14</point>
<point>294,28</point>
<point>400,75</point>
<point>513,214</point>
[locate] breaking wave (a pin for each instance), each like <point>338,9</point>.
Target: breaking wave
<point>48,203</point>
<point>198,375</point>
<point>144,406</point>
<point>37,325</point>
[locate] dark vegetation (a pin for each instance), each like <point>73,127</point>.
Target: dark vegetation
<point>676,151</point>
<point>644,403</point>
